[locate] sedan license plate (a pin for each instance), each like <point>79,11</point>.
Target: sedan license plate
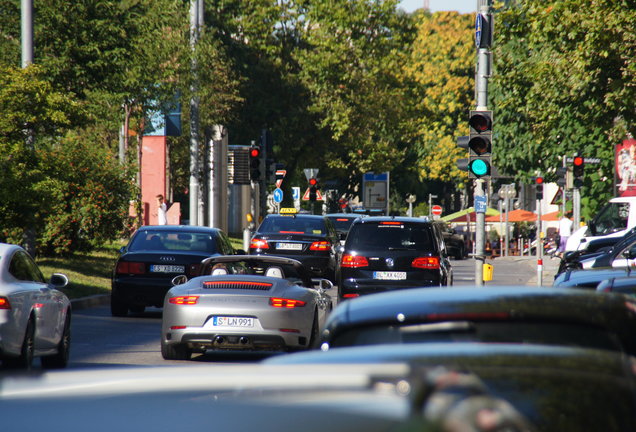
<point>289,246</point>
<point>389,275</point>
<point>228,321</point>
<point>163,268</point>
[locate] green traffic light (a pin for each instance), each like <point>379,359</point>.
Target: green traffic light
<point>479,167</point>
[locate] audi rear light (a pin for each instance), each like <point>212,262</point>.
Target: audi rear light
<point>428,263</point>
<point>184,300</point>
<point>320,246</point>
<point>259,244</point>
<point>125,267</point>
<point>285,303</point>
<point>353,261</point>
<point>4,303</point>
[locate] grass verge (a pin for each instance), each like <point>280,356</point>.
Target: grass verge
<point>90,274</point>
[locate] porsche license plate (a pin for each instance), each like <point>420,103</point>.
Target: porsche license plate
<point>228,321</point>
<point>289,246</point>
<point>163,268</point>
<point>389,275</point>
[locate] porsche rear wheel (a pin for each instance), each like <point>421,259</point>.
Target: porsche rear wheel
<point>25,360</point>
<point>175,351</point>
<point>313,340</point>
<point>60,360</point>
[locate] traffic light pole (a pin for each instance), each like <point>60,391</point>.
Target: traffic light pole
<point>481,90</point>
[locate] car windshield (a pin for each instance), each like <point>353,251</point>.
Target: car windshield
<point>382,237</point>
<point>173,241</point>
<point>293,225</point>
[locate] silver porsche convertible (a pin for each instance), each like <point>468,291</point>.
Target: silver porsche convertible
<point>244,302</point>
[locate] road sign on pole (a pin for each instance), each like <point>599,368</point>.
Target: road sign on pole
<point>278,195</point>
<point>280,175</point>
<point>436,210</point>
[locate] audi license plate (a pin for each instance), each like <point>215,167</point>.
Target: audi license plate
<point>228,321</point>
<point>289,246</point>
<point>163,268</point>
<point>389,275</point>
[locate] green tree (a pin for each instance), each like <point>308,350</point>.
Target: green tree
<point>564,82</point>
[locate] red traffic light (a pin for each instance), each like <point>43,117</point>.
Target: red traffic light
<point>313,182</point>
<point>538,180</point>
<point>480,121</point>
<point>255,152</point>
<point>578,161</point>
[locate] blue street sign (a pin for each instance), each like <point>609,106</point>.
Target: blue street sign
<point>480,203</point>
<point>296,193</point>
<point>278,195</point>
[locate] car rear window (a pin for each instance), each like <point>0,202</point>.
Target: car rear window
<point>173,241</point>
<point>391,235</point>
<point>342,223</point>
<point>293,225</point>
<point>548,333</point>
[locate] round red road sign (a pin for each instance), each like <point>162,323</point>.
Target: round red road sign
<point>436,210</point>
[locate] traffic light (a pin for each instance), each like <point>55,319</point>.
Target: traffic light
<point>578,171</point>
<point>480,144</point>
<point>255,163</point>
<point>313,189</point>
<point>562,174</point>
<point>538,184</point>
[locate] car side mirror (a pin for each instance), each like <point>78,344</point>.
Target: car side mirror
<point>58,280</point>
<point>322,284</point>
<point>179,280</point>
<point>122,249</point>
<point>629,254</point>
<point>592,227</point>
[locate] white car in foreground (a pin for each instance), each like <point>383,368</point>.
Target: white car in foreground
<point>35,318</point>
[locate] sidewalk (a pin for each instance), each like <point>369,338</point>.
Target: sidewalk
<point>523,270</point>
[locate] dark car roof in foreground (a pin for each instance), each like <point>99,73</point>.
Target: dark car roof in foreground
<point>521,301</point>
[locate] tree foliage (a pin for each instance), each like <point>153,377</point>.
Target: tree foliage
<point>564,83</point>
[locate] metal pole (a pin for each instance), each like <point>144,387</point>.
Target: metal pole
<point>480,231</point>
<point>195,8</point>
<point>481,90</point>
<point>27,32</point>
<point>539,238</point>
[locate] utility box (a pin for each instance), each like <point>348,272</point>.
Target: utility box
<point>488,271</point>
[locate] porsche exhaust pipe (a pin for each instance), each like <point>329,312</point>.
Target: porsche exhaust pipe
<point>244,340</point>
<point>219,339</point>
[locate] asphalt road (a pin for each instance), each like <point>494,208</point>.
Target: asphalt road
<point>99,340</point>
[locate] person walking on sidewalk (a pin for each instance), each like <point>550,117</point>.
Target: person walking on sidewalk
<point>161,211</point>
<point>565,230</point>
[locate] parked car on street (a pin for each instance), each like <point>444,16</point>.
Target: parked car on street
<point>310,239</point>
<point>385,253</point>
<point>35,317</point>
<point>154,255</point>
<point>588,279</point>
<point>244,302</point>
<point>455,242</point>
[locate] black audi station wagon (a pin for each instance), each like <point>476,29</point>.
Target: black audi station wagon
<point>384,253</point>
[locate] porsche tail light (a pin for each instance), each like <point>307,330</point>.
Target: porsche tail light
<point>184,300</point>
<point>125,267</point>
<point>285,303</point>
<point>320,246</point>
<point>4,303</point>
<point>350,296</point>
<point>259,244</point>
<point>353,261</point>
<point>289,330</point>
<point>428,263</point>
